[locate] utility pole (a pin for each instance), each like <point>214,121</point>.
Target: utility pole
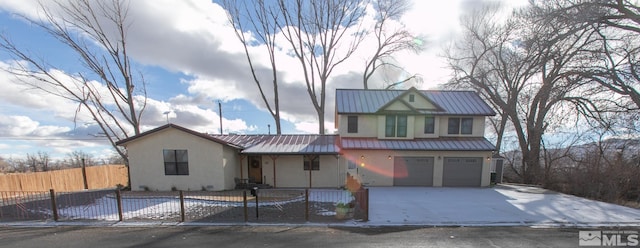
<point>220,114</point>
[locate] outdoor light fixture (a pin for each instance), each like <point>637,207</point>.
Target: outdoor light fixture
<point>389,157</point>
<point>362,164</point>
<point>439,158</point>
<point>362,157</point>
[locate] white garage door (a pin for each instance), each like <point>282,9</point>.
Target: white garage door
<point>462,172</point>
<point>413,171</point>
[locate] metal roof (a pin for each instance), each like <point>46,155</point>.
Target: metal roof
<point>284,144</point>
<point>426,144</point>
<point>359,101</point>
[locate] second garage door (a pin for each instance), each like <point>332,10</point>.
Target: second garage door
<point>413,171</point>
<point>462,172</point>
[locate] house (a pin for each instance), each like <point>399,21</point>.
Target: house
<point>385,138</point>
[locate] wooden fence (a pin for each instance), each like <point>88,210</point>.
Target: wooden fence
<point>97,177</point>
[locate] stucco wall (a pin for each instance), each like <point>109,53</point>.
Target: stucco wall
<point>206,162</point>
<point>478,126</point>
<point>375,168</point>
<point>290,172</point>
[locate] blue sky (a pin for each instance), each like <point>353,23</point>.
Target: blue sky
<point>191,60</point>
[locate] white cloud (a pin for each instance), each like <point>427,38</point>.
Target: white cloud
<point>193,37</point>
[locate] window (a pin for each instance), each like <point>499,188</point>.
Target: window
<point>351,165</point>
<point>429,124</point>
<point>395,126</point>
<point>352,124</point>
<point>312,162</point>
<point>176,162</point>
<point>466,126</point>
<point>460,126</point>
<point>390,126</point>
<point>412,98</point>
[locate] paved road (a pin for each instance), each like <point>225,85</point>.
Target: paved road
<point>281,236</point>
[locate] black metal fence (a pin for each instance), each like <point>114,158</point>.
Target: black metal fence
<point>260,206</point>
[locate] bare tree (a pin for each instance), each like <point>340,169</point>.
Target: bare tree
<point>260,20</point>
<point>39,161</point>
<point>391,37</point>
<point>526,68</point>
<point>75,159</point>
<point>618,25</point>
<point>97,32</point>
<point>322,35</point>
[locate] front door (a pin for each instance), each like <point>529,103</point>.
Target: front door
<point>255,169</point>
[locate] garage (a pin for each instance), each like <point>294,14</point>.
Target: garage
<point>462,172</point>
<point>413,171</point>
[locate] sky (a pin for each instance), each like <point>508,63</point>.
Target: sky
<point>191,61</point>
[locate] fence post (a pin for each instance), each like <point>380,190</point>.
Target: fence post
<point>181,205</point>
<point>119,200</point>
<point>306,204</point>
<point>54,205</point>
<point>246,207</point>
<point>257,208</point>
<point>366,200</point>
<point>84,175</point>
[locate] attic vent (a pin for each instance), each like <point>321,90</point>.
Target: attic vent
<point>412,97</point>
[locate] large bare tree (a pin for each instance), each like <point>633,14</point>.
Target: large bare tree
<point>259,20</point>
<point>391,37</point>
<point>528,69</point>
<point>108,91</point>
<point>322,34</point>
<point>617,23</point>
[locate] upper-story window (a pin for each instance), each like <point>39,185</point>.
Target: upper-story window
<point>396,126</point>
<point>176,162</point>
<point>352,124</point>
<point>412,97</point>
<point>460,125</point>
<point>429,124</point>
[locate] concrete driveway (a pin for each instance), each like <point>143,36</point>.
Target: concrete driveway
<point>501,205</point>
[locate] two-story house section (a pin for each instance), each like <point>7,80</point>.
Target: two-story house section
<point>414,137</point>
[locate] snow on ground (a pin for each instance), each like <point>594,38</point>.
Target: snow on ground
<point>164,208</point>
<point>501,205</point>
<point>490,206</point>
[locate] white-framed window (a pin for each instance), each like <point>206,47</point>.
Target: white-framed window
<point>176,162</point>
<point>429,124</point>
<point>395,126</point>
<point>311,163</point>
<point>352,124</point>
<point>460,125</point>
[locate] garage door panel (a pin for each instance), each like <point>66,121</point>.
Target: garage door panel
<point>413,171</point>
<point>462,172</point>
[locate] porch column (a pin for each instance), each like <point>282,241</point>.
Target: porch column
<point>274,158</point>
<point>241,170</point>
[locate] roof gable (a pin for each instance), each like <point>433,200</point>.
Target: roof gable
<point>359,101</point>
<point>124,142</point>
<point>411,100</point>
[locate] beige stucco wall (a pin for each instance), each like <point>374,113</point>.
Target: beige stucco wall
<point>367,126</point>
<point>291,174</point>
<point>210,166</point>
<point>478,126</point>
<point>418,129</point>
<point>376,169</point>
<point>374,126</point>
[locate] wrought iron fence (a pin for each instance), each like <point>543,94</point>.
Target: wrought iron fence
<point>259,206</point>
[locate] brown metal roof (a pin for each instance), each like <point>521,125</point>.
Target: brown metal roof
<point>284,144</point>
<point>426,144</point>
<point>359,101</point>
